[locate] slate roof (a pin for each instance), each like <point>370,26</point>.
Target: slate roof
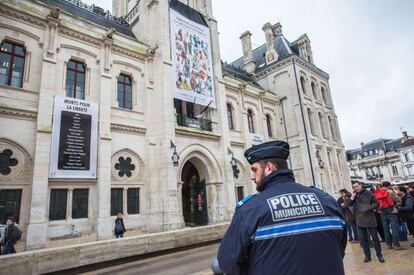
<point>282,47</point>
<point>352,154</point>
<point>388,145</point>
<point>84,11</point>
<point>237,72</point>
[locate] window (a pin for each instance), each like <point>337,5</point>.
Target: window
<point>332,127</point>
<point>394,170</point>
<point>80,203</point>
<point>311,122</point>
<point>407,157</point>
<point>239,193</point>
<point>314,90</point>
<point>11,64</point>
<point>133,200</point>
<point>178,107</point>
<point>230,116</point>
<point>116,201</point>
<point>58,202</point>
<point>269,125</point>
<point>250,120</point>
<point>324,96</point>
<point>323,126</point>
<point>124,92</point>
<point>75,80</point>
<point>10,204</point>
<point>302,84</point>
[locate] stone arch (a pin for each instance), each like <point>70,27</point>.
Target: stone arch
<point>203,160</point>
<point>136,160</point>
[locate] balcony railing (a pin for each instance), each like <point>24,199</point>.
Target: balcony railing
<point>198,123</point>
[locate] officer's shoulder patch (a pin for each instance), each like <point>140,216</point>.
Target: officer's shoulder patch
<point>244,200</point>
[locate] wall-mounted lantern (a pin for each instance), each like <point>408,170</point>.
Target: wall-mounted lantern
<point>175,157</point>
<point>233,164</point>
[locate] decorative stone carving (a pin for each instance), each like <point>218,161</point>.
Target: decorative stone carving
<point>14,163</point>
<point>7,162</point>
<point>54,13</point>
<point>127,166</point>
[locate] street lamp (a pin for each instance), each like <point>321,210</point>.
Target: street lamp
<point>175,157</point>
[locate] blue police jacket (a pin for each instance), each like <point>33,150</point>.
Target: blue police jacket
<point>286,229</point>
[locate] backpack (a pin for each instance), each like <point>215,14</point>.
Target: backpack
<point>118,227</point>
<point>383,198</point>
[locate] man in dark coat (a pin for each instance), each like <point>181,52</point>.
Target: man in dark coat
<point>406,210</point>
<point>10,236</point>
<point>364,204</point>
<point>287,228</point>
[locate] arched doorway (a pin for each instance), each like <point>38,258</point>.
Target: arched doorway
<point>194,197</point>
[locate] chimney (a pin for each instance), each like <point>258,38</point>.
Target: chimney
<point>271,54</point>
<point>277,29</point>
<point>405,135</point>
<point>249,63</point>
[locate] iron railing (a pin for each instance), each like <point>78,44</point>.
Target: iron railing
<point>198,123</point>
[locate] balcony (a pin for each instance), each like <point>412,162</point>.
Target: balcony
<point>197,123</point>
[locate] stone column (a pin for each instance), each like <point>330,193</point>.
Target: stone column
<point>37,228</point>
<point>104,220</point>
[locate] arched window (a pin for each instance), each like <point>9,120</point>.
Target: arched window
<point>323,126</point>
<point>303,84</point>
<point>250,120</point>
<point>314,90</point>
<point>332,127</point>
<point>323,92</point>
<point>124,92</point>
<point>11,64</point>
<point>230,116</point>
<point>269,125</point>
<point>311,122</point>
<point>75,79</point>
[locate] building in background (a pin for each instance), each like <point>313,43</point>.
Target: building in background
<point>173,120</point>
<point>407,156</point>
<point>380,159</point>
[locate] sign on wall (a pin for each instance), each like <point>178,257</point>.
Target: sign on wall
<point>191,60</point>
<point>74,139</point>
<point>256,139</point>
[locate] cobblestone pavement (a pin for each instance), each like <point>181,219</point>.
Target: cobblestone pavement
<point>197,261</point>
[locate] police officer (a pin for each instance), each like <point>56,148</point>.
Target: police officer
<point>287,228</point>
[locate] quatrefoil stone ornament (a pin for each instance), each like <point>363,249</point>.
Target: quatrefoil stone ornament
<point>124,167</point>
<point>6,161</point>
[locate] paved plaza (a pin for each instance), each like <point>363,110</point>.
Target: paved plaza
<point>197,261</point>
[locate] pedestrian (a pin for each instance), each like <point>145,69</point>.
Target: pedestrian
<point>349,215</point>
<point>406,210</point>
<point>387,201</point>
<point>364,204</point>
<point>287,228</point>
<point>119,226</point>
<point>11,236</point>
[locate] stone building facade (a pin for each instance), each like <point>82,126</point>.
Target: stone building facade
<point>377,160</point>
<point>407,156</point>
<point>123,63</point>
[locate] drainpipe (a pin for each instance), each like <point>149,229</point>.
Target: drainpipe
<point>304,125</point>
<point>284,124</point>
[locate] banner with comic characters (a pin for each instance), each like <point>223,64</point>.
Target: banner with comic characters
<point>191,61</point>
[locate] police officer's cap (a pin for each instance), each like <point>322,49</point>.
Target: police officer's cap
<point>272,149</point>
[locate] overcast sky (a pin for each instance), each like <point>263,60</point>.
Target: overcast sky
<point>366,46</point>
